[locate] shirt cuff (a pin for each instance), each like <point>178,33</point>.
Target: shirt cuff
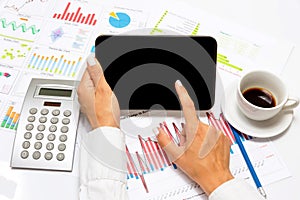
<point>103,155</point>
<point>235,189</point>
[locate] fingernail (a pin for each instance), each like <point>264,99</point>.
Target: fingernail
<point>161,125</point>
<point>91,60</point>
<point>178,82</point>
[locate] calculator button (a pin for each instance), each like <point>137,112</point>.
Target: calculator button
<point>64,129</point>
<point>67,113</point>
<point>33,111</point>
<point>54,120</point>
<point>51,137</point>
<point>55,112</point>
<point>52,128</point>
<point>27,135</point>
<point>61,147</point>
<point>26,145</point>
<point>41,127</point>
<point>49,146</point>
<point>24,154</point>
<point>66,121</point>
<point>36,155</point>
<point>43,119</point>
<point>63,138</point>
<point>29,127</point>
<point>48,156</point>
<point>60,156</point>
<point>38,145</point>
<point>44,111</point>
<point>39,136</point>
<point>31,118</point>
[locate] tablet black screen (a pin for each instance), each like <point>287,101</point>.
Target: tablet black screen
<point>142,70</point>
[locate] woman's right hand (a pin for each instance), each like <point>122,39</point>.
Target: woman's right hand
<point>203,153</point>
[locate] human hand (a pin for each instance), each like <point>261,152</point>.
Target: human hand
<point>203,152</point>
<point>96,98</point>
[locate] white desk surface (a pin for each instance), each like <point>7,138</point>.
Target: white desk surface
<point>277,18</point>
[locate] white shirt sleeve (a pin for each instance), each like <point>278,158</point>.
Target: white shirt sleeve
<point>102,165</point>
<point>235,189</point>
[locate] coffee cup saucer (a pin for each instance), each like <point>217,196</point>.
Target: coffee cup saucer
<point>260,129</point>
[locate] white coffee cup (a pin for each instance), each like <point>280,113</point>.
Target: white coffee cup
<point>267,81</point>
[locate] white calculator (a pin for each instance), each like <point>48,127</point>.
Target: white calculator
<point>46,134</point>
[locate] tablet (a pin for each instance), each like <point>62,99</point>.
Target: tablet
<point>142,70</point>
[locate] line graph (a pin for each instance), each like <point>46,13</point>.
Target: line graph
<point>148,157</point>
<point>222,125</point>
<point>28,7</point>
<point>19,28</point>
<point>151,175</point>
<point>152,158</point>
<point>14,26</point>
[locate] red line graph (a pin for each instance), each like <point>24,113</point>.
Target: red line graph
<point>222,125</point>
<point>152,158</point>
<point>76,16</point>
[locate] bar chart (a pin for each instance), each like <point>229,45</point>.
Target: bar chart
<point>55,62</point>
<point>222,125</point>
<point>152,157</point>
<point>151,175</point>
<point>77,16</point>
<point>175,22</point>
<point>10,116</point>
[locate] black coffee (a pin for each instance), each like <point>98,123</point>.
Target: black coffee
<point>260,97</point>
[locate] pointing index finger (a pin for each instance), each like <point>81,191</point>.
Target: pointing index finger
<point>187,105</point>
<point>186,102</point>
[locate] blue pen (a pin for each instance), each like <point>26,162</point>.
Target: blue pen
<point>248,162</point>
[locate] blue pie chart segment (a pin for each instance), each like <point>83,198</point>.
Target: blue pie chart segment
<point>119,20</point>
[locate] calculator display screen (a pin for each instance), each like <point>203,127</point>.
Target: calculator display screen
<point>55,92</point>
<point>48,103</point>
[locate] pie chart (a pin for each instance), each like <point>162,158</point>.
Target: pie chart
<point>119,19</point>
